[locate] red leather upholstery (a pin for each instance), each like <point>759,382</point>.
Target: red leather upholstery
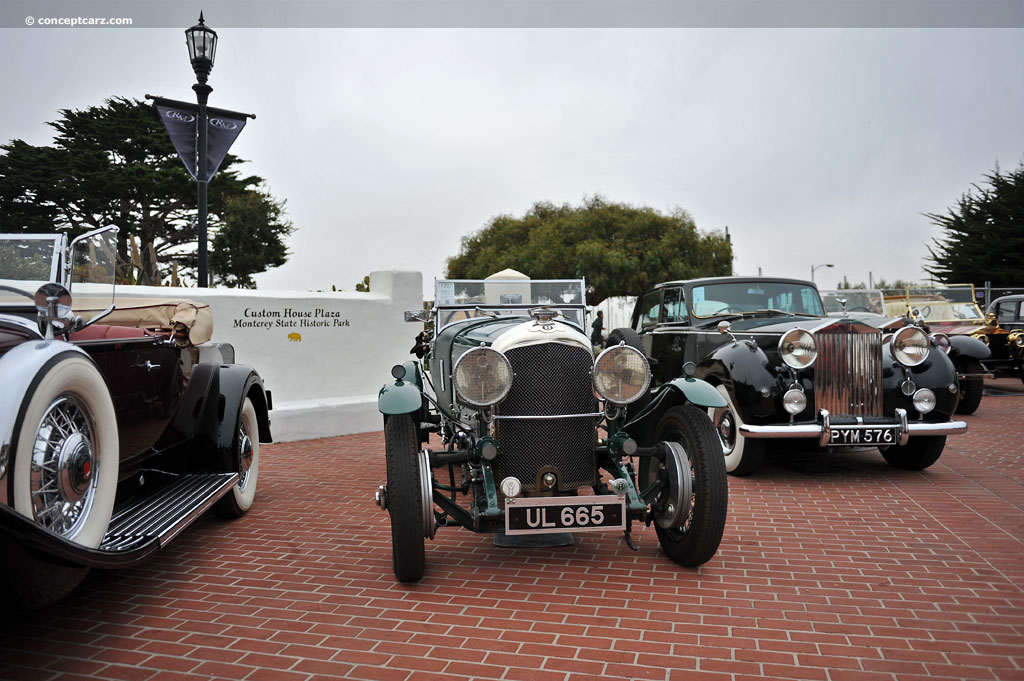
<point>105,331</point>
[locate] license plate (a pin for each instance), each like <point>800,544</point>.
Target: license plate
<point>542,515</point>
<point>862,435</point>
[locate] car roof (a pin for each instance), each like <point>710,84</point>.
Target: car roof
<point>1013,298</point>
<point>730,280</point>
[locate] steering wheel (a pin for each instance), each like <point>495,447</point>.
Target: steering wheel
<point>860,308</point>
<point>926,311</point>
<point>727,309</point>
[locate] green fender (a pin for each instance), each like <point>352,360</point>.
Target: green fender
<point>402,397</point>
<point>696,391</point>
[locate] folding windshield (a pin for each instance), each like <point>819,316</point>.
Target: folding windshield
<point>27,261</point>
<point>456,299</point>
<point>727,298</point>
<point>940,310</point>
<point>857,300</point>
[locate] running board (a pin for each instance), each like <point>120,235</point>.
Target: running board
<point>165,514</point>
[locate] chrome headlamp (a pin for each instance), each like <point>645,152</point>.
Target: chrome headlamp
<point>482,377</point>
<point>910,346</point>
<point>941,341</point>
<point>621,374</point>
<point>798,349</point>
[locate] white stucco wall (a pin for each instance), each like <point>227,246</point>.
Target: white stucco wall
<point>324,356</point>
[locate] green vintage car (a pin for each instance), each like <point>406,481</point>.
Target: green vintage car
<point>509,425</point>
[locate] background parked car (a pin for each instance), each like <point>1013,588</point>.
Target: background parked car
<point>1004,334</point>
<point>787,371</point>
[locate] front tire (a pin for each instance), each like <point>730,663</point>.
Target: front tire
<point>408,556</point>
<point>246,460</point>
<point>66,461</point>
<point>695,541</point>
<point>67,452</point>
<point>971,389</point>
<point>917,454</point>
<point>742,455</point>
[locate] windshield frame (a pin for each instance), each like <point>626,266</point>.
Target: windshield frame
<point>572,313</point>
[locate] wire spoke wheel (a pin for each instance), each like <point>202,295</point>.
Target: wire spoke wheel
<point>64,471</point>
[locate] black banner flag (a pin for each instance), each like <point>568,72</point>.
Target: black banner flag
<point>182,122</point>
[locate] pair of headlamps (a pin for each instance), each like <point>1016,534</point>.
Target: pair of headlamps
<point>910,346</point>
<point>483,376</point>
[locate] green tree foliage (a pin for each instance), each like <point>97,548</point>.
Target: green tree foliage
<point>249,239</point>
<point>619,249</point>
<point>115,164</point>
<point>364,285</point>
<point>984,233</point>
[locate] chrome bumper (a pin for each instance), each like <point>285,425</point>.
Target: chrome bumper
<point>822,430</point>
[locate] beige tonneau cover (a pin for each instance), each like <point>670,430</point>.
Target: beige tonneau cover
<point>189,322</point>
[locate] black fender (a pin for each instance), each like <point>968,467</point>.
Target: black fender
<point>745,371</point>
<point>965,346</point>
<point>236,383</point>
<point>685,390</point>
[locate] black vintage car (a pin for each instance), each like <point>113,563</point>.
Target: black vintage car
<point>532,434</point>
<point>788,371</point>
<point>1004,333</point>
<point>119,424</point>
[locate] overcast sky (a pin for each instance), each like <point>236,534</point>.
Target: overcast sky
<point>812,145</point>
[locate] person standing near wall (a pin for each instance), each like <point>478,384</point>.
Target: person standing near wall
<point>596,338</point>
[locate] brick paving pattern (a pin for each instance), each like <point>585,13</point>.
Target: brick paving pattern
<point>834,567</point>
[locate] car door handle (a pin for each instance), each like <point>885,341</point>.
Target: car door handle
<point>149,366</point>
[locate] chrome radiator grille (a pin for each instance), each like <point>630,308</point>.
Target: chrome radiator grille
<point>848,371</point>
<point>549,379</point>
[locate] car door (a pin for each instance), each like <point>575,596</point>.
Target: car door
<point>145,380</point>
<point>669,336</point>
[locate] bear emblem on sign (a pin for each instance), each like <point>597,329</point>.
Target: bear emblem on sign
<point>294,337</point>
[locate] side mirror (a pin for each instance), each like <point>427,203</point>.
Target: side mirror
<point>417,315</point>
<point>53,308</point>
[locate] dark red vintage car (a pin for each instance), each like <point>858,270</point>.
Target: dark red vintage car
<point>120,424</point>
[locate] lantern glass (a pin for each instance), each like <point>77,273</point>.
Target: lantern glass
<point>202,43</point>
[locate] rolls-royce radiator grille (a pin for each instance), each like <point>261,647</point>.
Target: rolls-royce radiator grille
<point>548,379</point>
<point>848,371</point>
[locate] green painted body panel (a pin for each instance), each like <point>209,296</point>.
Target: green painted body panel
<point>400,397</point>
<point>698,392</point>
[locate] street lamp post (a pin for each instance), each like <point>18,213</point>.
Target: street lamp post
<point>814,267</point>
<point>202,49</point>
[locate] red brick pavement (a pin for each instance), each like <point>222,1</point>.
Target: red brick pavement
<point>833,567</point>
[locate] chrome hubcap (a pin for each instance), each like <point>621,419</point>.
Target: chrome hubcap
<point>64,471</point>
<point>726,430</point>
<point>74,467</point>
<point>244,457</point>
